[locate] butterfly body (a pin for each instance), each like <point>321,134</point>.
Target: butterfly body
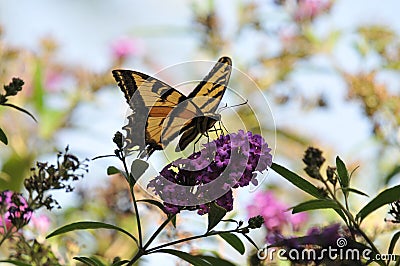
<point>198,126</point>
<point>161,113</point>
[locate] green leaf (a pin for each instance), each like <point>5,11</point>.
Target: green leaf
<point>84,260</point>
<point>315,205</point>
<point>119,263</point>
<point>194,260</point>
<point>215,215</point>
<point>3,137</point>
<point>297,181</point>
<point>159,205</point>
<point>216,261</point>
<point>385,197</point>
<point>156,203</point>
<point>97,261</point>
<point>138,168</point>
<point>356,191</point>
<point>342,173</point>
<point>234,241</point>
<point>392,173</point>
<point>15,262</point>
<point>302,184</point>
<point>393,242</point>
<point>342,215</point>
<point>111,170</point>
<point>92,261</point>
<point>397,261</point>
<point>173,221</point>
<point>88,225</point>
<point>230,221</point>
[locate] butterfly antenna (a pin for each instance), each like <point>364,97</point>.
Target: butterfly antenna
<point>236,105</point>
<point>222,108</point>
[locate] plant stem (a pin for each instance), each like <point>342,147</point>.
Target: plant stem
<point>6,235</point>
<point>158,231</point>
<point>3,239</point>
<point>151,250</point>
<point>131,188</point>
<point>351,219</point>
<point>251,241</point>
<point>140,253</point>
<point>142,250</point>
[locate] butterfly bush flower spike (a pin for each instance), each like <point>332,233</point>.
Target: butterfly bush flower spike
<point>307,10</point>
<point>14,211</point>
<point>229,162</point>
<point>124,47</point>
<point>276,215</point>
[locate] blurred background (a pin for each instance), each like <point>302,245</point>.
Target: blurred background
<point>328,69</point>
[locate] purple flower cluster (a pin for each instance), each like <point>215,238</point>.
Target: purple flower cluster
<point>275,214</point>
<point>207,176</point>
<point>14,210</point>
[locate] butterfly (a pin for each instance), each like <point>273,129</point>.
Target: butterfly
<point>162,113</point>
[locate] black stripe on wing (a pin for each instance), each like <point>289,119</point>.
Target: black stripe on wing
<point>214,84</point>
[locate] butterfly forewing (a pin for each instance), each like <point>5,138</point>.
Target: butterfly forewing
<point>206,96</point>
<point>213,86</point>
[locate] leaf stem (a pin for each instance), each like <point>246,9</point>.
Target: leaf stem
<point>211,233</point>
<point>7,234</point>
<point>158,231</point>
<point>351,218</point>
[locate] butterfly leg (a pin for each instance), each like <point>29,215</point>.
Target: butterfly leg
<point>220,129</point>
<point>209,151</point>
<point>194,144</point>
<point>141,154</point>
<point>223,128</point>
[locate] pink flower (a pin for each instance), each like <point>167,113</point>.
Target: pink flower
<point>298,219</point>
<point>14,211</point>
<point>52,80</point>
<point>309,9</point>
<point>124,47</point>
<point>41,223</point>
<point>275,213</point>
